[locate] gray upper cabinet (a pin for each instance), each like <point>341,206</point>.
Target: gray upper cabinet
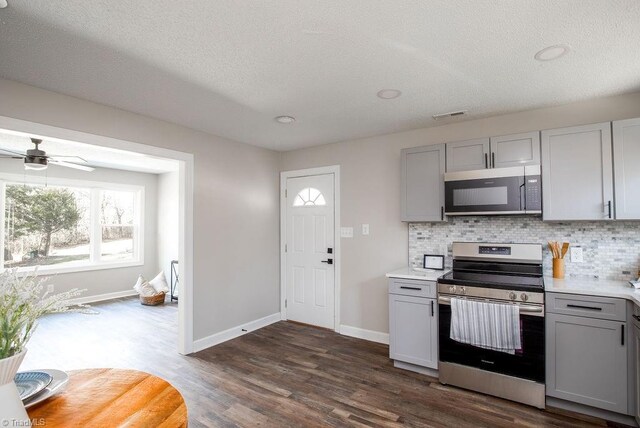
<point>577,173</point>
<point>515,150</point>
<point>626,161</point>
<point>495,152</point>
<point>468,155</point>
<point>422,187</point>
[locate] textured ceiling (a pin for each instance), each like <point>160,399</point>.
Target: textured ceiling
<point>228,67</point>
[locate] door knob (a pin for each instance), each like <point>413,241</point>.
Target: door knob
<point>328,261</point>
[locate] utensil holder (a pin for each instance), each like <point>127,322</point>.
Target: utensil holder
<point>558,268</point>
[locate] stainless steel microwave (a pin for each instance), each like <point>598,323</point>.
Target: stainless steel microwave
<point>515,190</point>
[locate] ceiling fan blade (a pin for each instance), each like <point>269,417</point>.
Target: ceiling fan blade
<point>72,165</point>
<point>56,157</point>
<point>10,157</point>
<point>12,152</point>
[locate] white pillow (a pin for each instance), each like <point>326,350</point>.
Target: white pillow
<point>160,283</point>
<point>147,290</point>
<point>139,283</point>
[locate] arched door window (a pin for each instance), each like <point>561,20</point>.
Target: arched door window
<point>309,197</point>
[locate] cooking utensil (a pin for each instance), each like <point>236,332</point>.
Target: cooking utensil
<point>565,248</point>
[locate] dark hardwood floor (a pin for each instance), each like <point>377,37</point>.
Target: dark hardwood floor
<point>283,375</point>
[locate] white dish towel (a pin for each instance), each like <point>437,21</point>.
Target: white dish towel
<point>486,325</point>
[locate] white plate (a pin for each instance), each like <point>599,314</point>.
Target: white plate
<point>58,383</point>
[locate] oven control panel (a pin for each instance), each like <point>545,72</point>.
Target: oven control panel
<point>492,293</point>
<point>499,251</point>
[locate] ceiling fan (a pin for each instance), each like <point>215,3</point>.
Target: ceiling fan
<point>36,159</point>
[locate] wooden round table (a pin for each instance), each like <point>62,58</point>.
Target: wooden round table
<point>113,398</point>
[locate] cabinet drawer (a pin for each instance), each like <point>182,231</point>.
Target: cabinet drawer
<point>408,287</point>
<point>605,308</point>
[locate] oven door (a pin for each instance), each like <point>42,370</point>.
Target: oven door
<point>498,191</point>
<point>528,364</point>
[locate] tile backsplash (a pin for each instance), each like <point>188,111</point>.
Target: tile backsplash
<point>611,249</point>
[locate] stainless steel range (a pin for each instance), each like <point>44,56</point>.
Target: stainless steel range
<point>505,274</point>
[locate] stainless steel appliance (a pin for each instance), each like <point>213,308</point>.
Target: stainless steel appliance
<point>500,273</point>
<point>515,190</point>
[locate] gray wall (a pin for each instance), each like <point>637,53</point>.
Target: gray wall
<point>105,280</point>
<point>236,209</point>
<point>370,170</point>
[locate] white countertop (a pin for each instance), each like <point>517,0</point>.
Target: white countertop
<point>419,274</point>
<point>592,287</point>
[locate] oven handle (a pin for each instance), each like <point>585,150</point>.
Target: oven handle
<point>522,308</point>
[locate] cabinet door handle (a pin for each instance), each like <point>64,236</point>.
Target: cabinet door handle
<point>432,310</point>
<point>609,205</point>
<point>622,335</point>
<point>486,160</point>
<point>493,159</point>
<point>591,308</point>
<point>410,288</point>
<point>441,213</point>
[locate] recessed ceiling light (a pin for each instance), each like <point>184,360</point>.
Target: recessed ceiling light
<point>389,94</point>
<point>285,119</point>
<point>3,4</point>
<point>552,52</point>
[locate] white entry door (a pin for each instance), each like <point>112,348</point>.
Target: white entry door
<point>310,222</point>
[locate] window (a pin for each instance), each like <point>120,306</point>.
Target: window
<point>309,197</point>
<point>67,227</point>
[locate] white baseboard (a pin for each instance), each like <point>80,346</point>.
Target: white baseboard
<point>361,333</point>
<point>100,297</point>
<point>233,332</point>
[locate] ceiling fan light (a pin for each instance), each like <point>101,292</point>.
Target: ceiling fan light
<point>35,163</point>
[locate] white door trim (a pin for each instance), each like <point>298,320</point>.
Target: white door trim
<point>335,170</point>
<point>186,191</point>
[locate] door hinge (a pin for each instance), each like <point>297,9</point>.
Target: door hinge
<point>285,303</point>
<point>285,248</point>
<point>285,193</point>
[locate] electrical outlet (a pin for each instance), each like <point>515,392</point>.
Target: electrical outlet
<point>365,229</point>
<point>576,255</point>
<point>346,232</point>
<point>50,288</point>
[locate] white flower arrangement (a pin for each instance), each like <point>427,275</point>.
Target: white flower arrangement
<point>22,302</point>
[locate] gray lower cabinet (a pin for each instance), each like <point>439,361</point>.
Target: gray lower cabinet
<point>577,173</point>
<point>636,344</point>
<point>587,358</point>
<point>422,184</point>
<point>626,160</point>
<point>413,323</point>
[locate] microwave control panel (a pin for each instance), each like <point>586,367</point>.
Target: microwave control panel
<point>533,192</point>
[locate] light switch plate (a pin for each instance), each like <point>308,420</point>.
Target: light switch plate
<point>346,232</point>
<point>365,229</point>
<point>576,255</point>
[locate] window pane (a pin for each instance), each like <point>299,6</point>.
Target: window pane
<point>46,225</point>
<point>117,243</point>
<point>117,207</point>
<point>117,218</point>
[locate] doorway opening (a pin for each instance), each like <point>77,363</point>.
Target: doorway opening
<point>134,215</point>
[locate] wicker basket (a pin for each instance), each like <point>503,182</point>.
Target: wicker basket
<point>156,300</point>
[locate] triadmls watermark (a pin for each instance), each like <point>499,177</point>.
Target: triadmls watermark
<point>38,422</point>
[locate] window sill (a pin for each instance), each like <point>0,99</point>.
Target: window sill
<point>53,270</point>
